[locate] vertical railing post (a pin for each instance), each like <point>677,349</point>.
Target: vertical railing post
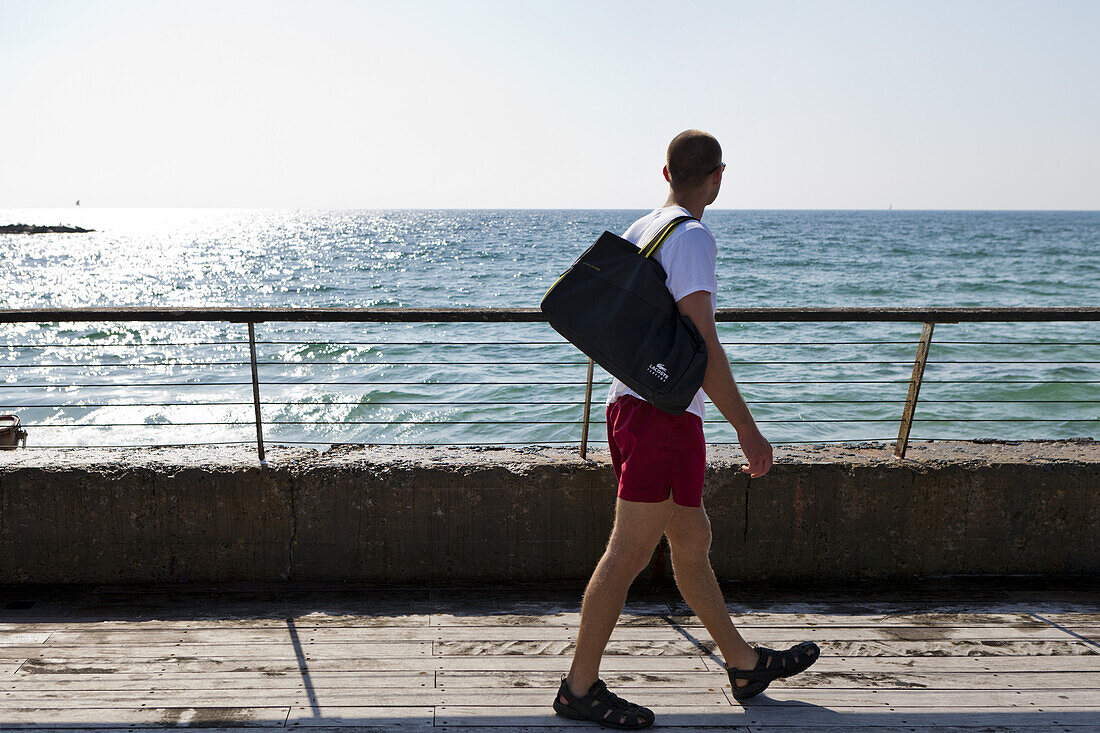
<point>587,412</point>
<point>914,389</point>
<point>256,390</point>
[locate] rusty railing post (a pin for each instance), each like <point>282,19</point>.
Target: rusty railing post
<point>914,389</point>
<point>587,412</point>
<point>256,390</point>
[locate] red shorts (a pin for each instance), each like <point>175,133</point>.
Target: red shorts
<point>656,454</point>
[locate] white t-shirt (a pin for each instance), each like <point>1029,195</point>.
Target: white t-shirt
<point>689,257</point>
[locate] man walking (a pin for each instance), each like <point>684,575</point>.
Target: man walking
<point>659,460</point>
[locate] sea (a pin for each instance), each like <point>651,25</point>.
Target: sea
<point>488,384</point>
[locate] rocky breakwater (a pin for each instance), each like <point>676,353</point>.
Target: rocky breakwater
<point>36,229</point>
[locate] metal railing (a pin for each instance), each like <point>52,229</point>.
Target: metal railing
<point>251,317</point>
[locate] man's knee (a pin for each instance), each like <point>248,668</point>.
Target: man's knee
<point>638,529</point>
<point>631,568</point>
<point>691,546</point>
<point>627,560</point>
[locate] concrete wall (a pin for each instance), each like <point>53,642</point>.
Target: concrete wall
<point>109,516</point>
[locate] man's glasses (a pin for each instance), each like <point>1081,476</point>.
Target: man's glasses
<point>720,165</point>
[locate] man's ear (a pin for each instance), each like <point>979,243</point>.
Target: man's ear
<point>664,172</point>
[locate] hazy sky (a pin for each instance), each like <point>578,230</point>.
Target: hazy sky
<point>548,104</point>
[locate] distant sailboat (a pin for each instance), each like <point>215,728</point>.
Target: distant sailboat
<point>890,209</point>
<point>78,202</point>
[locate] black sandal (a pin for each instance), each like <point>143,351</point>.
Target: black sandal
<point>602,706</point>
<point>772,665</point>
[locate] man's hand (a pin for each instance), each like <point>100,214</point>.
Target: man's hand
<point>757,450</point>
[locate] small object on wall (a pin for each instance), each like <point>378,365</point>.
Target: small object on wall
<point>11,435</point>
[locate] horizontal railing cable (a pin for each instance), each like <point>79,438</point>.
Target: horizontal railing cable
<point>576,421</point>
<point>543,383</point>
<point>444,403</point>
<point>152,344</point>
<point>525,362</point>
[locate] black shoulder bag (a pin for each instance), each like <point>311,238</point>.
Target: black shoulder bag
<point>613,305</point>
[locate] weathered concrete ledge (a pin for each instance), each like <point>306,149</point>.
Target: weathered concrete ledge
<point>401,514</point>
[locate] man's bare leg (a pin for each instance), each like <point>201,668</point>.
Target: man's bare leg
<point>689,539</point>
<point>638,528</point>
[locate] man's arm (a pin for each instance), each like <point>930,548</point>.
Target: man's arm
<point>720,386</point>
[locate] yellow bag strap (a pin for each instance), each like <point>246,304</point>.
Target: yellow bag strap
<point>655,244</point>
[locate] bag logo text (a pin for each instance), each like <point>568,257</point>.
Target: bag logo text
<point>658,370</point>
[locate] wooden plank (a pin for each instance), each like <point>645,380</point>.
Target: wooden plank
<point>1022,680</point>
<point>21,638</point>
<point>1069,646</point>
<point>511,717</point>
<point>1089,631</point>
<point>764,635</point>
<point>778,695</point>
<point>119,700</point>
<point>809,717</point>
<point>976,664</point>
<point>288,680</point>
<point>1075,699</point>
<point>340,679</point>
<point>805,717</point>
<point>1016,680</point>
<point>303,622</point>
<point>937,618</point>
<point>51,662</point>
<point>221,651</point>
<point>489,603</point>
<point>147,717</point>
<point>673,697</point>
<point>60,666</point>
<point>65,666</point>
<point>673,647</point>
<point>218,614</point>
<point>569,619</point>
<point>363,717</point>
<point>562,648</point>
<point>1078,624</point>
<point>224,637</point>
<point>548,679</point>
<point>10,667</point>
<point>210,618</point>
<point>753,620</point>
<point>919,604</point>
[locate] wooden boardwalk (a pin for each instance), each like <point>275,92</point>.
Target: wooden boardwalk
<point>951,656</point>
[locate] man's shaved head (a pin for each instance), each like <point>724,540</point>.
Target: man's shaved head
<point>692,155</point>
